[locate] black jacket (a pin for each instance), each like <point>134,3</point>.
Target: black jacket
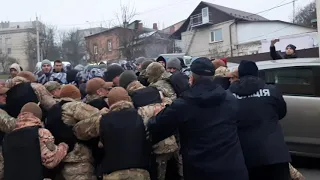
<point>261,108</point>
<point>205,116</point>
<point>222,81</point>
<point>275,55</point>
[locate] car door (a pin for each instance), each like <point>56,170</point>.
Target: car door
<point>300,88</point>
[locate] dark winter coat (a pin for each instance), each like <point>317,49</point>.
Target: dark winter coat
<point>205,117</point>
<point>261,106</point>
<point>275,55</point>
<point>222,81</point>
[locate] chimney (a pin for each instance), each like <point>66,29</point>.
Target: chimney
<point>140,26</point>
<point>155,26</point>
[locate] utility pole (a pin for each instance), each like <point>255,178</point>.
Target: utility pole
<point>318,23</point>
<point>293,10</point>
<point>38,39</point>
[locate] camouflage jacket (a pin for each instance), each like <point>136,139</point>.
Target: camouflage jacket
<point>168,145</point>
<point>129,174</point>
<point>79,160</point>
<point>163,85</point>
<point>7,123</point>
<point>51,154</point>
<point>44,96</point>
<point>89,128</point>
<point>91,97</point>
<point>295,174</point>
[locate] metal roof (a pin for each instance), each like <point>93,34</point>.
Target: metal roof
<point>237,13</point>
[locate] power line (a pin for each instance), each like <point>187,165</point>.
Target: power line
<point>114,19</point>
<point>275,7</point>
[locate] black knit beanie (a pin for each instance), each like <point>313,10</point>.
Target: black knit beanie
<point>126,78</point>
<point>247,68</point>
<point>112,72</point>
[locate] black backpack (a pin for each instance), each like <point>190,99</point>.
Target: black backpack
<point>18,96</point>
<point>61,131</point>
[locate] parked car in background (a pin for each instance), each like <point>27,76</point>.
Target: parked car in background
<point>298,80</point>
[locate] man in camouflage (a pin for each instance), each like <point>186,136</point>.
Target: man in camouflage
<point>159,78</point>
<point>54,88</point>
<point>24,164</point>
<point>79,160</point>
<point>7,124</point>
<point>23,89</point>
<point>97,90</point>
<point>129,159</point>
<point>149,102</point>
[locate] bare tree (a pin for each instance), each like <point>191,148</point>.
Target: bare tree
<point>6,61</point>
<point>48,46</point>
<point>306,14</point>
<point>126,36</point>
<point>73,48</point>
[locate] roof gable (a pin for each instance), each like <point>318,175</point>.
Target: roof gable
<point>237,13</point>
<point>232,13</point>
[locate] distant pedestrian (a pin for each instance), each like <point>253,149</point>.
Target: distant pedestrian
<point>289,54</point>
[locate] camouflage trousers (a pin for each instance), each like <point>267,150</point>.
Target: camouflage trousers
<point>178,159</point>
<point>78,171</point>
<point>162,161</point>
<point>129,174</point>
<point>295,174</point>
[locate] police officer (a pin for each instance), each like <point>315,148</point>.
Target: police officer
<point>261,108</point>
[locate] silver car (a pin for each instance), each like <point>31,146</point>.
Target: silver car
<point>298,80</point>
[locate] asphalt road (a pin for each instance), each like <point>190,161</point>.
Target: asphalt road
<point>309,167</point>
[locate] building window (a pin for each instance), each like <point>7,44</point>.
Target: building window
<point>95,49</point>
<point>9,51</point>
<point>109,45</point>
<point>216,35</point>
<point>294,81</point>
<point>0,51</point>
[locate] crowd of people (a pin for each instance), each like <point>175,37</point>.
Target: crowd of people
<point>105,122</point>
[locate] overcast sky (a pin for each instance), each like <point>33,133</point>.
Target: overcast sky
<point>66,14</point>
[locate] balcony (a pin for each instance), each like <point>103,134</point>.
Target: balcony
<point>201,19</point>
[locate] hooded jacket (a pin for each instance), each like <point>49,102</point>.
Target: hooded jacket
<point>261,106</point>
<point>205,117</point>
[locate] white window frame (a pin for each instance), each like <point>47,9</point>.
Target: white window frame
<point>95,49</point>
<point>213,33</point>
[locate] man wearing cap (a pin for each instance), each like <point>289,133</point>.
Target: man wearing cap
<point>289,53</point>
<point>138,64</point>
<point>122,133</point>
<point>97,91</point>
<point>44,75</point>
<point>205,116</point>
<point>112,74</point>
<point>159,78</point>
<point>54,88</point>
<point>30,148</point>
<point>261,106</point>
<point>79,163</point>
